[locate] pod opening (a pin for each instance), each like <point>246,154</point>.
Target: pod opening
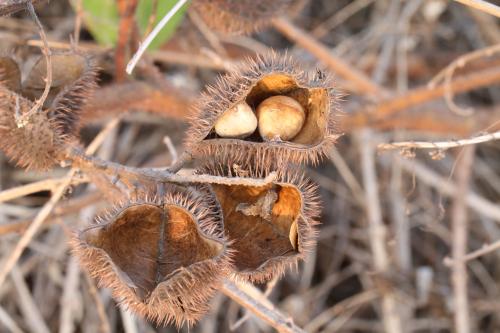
<point>314,102</point>
<point>263,220</point>
<point>149,244</point>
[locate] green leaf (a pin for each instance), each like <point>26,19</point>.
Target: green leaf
<point>102,19</point>
<point>143,14</point>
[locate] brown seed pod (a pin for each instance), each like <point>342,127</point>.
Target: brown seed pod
<point>270,75</point>
<point>74,77</point>
<point>239,16</point>
<point>35,146</point>
<point>10,75</point>
<point>163,258</point>
<point>68,103</point>
<point>271,226</point>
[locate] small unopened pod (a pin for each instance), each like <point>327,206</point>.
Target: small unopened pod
<point>270,218</point>
<point>239,16</point>
<point>295,113</point>
<point>162,258</point>
<point>74,77</point>
<point>36,145</point>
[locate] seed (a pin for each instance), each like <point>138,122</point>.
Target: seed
<point>280,117</point>
<point>237,122</point>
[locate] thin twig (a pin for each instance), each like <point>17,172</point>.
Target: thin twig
<point>260,306</point>
<point>42,185</point>
<point>92,164</point>
<point>27,304</point>
<point>70,296</point>
<point>23,120</point>
<point>447,74</point>
<point>440,144</point>
<point>423,94</point>
<point>485,249</point>
<point>101,310</point>
<point>153,34</point>
<point>303,39</point>
<point>459,234</point>
<point>377,231</point>
<point>448,188</point>
<point>483,6</point>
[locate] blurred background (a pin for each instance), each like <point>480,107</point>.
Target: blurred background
<point>410,236</point>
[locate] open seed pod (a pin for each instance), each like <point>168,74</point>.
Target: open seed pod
<point>38,144</point>
<point>239,16</point>
<point>270,226</point>
<point>74,77</point>
<point>298,127</point>
<point>10,75</point>
<point>162,258</point>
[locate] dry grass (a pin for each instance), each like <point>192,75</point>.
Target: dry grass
<point>409,240</point>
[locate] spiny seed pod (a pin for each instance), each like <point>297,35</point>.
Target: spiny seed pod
<point>10,75</point>
<point>254,84</point>
<point>163,258</point>
<point>35,146</point>
<point>239,16</point>
<point>69,101</point>
<point>271,226</point>
<point>74,77</point>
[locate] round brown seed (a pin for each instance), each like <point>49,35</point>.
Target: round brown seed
<point>280,117</point>
<point>237,122</point>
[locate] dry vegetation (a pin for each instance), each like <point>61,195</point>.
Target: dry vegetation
<point>409,239</point>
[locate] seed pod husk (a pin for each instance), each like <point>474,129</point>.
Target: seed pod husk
<point>268,76</point>
<point>38,144</point>
<point>162,258</point>
<point>74,77</point>
<point>271,227</point>
<point>239,16</point>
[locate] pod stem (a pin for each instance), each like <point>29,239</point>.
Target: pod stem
<point>129,174</point>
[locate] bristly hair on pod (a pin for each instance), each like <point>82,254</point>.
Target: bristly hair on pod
<point>74,78</point>
<point>163,257</point>
<point>38,145</point>
<point>271,227</point>
<point>237,98</point>
<point>239,16</point>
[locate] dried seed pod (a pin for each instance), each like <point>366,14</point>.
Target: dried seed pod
<point>10,75</point>
<point>239,16</point>
<point>36,146</point>
<point>271,226</point>
<point>73,79</point>
<point>163,258</point>
<point>68,104</point>
<point>268,76</point>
